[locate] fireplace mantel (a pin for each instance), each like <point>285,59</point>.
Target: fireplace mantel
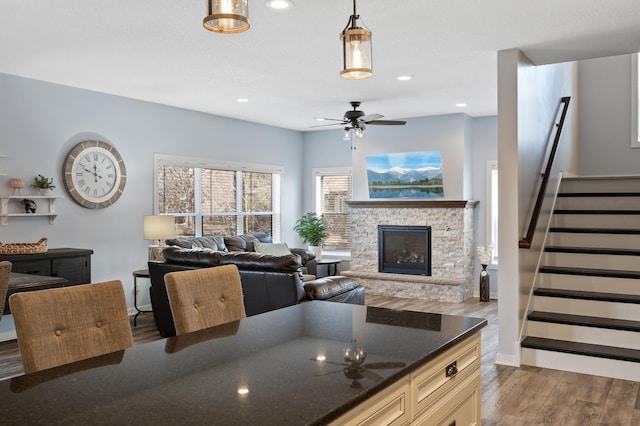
<point>426,204</point>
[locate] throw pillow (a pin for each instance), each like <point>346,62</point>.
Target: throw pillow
<point>275,249</point>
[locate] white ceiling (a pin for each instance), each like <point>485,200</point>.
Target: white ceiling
<point>288,63</point>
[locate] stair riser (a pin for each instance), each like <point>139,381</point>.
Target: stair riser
<point>587,283</point>
<point>592,308</point>
<point>599,203</point>
<point>596,261</point>
<point>618,184</point>
<point>581,364</point>
<point>595,336</point>
<point>596,221</point>
<point>594,240</point>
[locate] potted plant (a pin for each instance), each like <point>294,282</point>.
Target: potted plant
<point>312,230</point>
<point>44,184</point>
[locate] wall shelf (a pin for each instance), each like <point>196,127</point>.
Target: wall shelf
<point>10,205</point>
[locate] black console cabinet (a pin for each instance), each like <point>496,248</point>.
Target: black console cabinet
<point>72,264</point>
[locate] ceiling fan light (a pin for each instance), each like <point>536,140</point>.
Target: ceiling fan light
<point>347,134</point>
<point>227,16</point>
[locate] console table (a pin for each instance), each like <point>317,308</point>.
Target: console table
<point>57,267</point>
<point>283,367</point>
<point>72,264</point>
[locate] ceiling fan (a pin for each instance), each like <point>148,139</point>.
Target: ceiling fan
<point>357,120</point>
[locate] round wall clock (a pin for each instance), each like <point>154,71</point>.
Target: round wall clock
<point>94,174</point>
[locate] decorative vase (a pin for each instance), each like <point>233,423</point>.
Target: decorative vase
<point>317,250</point>
<point>484,284</point>
<point>43,191</point>
<point>17,184</point>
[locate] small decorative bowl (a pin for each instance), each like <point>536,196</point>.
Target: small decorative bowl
<point>16,183</point>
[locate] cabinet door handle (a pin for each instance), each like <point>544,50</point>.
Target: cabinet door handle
<point>451,369</point>
<point>32,272</point>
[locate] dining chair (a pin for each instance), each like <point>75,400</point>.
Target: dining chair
<point>64,325</point>
<point>5,270</point>
<point>203,298</point>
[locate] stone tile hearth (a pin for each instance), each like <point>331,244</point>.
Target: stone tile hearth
<point>452,248</point>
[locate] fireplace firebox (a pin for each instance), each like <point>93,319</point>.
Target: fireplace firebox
<point>404,249</point>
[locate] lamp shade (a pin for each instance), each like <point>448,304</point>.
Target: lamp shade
<point>227,16</point>
<point>159,227</point>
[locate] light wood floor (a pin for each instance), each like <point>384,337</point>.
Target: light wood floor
<point>510,396</point>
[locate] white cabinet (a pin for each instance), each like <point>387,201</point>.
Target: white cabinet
<point>445,391</point>
<point>11,206</point>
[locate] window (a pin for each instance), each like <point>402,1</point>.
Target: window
<point>492,209</point>
<point>207,198</point>
<point>635,98</point>
<point>332,191</point>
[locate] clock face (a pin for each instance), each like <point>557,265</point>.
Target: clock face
<point>94,174</point>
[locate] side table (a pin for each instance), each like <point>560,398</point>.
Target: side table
<point>140,273</point>
<point>332,266</point>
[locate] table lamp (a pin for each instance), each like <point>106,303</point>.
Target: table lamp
<point>158,228</point>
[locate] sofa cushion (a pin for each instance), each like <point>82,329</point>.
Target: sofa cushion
<point>276,249</point>
<point>213,242</point>
<point>250,261</point>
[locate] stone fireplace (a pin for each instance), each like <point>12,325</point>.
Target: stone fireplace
<point>452,246</point>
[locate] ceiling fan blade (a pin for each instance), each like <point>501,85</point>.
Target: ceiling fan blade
<point>327,119</point>
<point>371,117</point>
<point>387,123</point>
<point>330,124</point>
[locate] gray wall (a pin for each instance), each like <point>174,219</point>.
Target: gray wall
<point>605,117</point>
<point>528,98</point>
<point>40,122</point>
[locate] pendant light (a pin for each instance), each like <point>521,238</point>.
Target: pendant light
<point>227,16</point>
<point>356,49</point>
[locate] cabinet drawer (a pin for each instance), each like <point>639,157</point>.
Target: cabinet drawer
<point>439,377</point>
<point>461,408</point>
<point>36,267</point>
<point>389,407</point>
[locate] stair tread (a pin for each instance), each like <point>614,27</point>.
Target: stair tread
<point>592,250</point>
<point>599,194</point>
<point>594,230</point>
<point>596,211</point>
<point>584,320</point>
<point>592,272</point>
<point>588,349</point>
<point>587,295</point>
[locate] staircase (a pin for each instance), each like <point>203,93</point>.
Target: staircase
<point>586,307</point>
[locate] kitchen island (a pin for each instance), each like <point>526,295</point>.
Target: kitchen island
<point>312,363</point>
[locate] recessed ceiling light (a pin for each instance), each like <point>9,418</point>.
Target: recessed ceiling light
<point>461,105</point>
<point>242,100</point>
<point>405,78</point>
<point>279,4</point>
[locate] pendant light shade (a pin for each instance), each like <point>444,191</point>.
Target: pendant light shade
<point>356,49</point>
<point>227,16</point>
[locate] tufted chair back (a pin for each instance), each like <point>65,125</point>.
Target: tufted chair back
<point>5,269</point>
<point>64,325</point>
<point>203,298</point>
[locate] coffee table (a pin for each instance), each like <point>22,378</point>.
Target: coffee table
<point>29,282</point>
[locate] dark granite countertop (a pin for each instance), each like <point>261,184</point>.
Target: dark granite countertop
<point>196,378</point>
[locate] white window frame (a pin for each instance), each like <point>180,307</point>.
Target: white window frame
<point>317,173</point>
<point>491,211</point>
<point>635,98</point>
<point>200,163</point>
